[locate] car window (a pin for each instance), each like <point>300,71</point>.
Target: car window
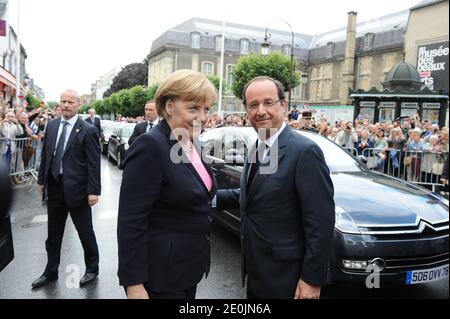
<point>338,160</point>
<point>235,148</point>
<point>212,143</point>
<point>116,131</point>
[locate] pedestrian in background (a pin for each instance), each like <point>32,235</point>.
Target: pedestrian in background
<point>69,176</point>
<point>151,120</point>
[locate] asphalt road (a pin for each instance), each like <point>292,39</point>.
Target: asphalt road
<point>224,281</point>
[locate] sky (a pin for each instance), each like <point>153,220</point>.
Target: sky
<point>71,43</point>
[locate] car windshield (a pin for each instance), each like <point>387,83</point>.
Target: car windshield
<point>109,128</point>
<point>338,160</point>
<point>127,131</point>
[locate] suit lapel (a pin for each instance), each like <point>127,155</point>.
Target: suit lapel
<point>165,130</point>
<point>259,179</point>
<point>53,134</point>
<point>75,130</point>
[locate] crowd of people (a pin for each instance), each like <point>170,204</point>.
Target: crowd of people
<point>20,132</point>
<point>385,144</point>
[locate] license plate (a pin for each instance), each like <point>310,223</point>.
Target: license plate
<point>426,275</point>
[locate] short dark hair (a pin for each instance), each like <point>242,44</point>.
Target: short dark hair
<point>278,84</point>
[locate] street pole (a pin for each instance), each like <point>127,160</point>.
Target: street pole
<point>291,80</point>
<point>18,54</point>
<point>222,57</point>
<point>265,48</point>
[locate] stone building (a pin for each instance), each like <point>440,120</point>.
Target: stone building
<point>358,56</point>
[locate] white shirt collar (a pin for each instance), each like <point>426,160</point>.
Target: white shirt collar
<point>71,121</point>
<point>155,122</point>
<point>270,141</point>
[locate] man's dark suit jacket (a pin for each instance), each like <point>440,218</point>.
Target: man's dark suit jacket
<point>139,129</point>
<point>96,123</point>
<point>287,219</point>
<point>81,162</point>
<point>164,217</point>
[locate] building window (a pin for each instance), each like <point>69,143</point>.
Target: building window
<point>229,77</point>
<point>195,40</point>
<point>207,68</point>
<point>245,46</point>
<point>219,43</point>
<point>330,50</point>
<point>368,41</point>
<point>287,50</point>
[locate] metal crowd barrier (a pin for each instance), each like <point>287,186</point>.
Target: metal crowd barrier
<point>21,157</point>
<point>422,168</point>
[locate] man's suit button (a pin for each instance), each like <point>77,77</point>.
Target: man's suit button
<point>207,237</point>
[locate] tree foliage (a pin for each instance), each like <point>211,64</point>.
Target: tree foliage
<point>128,102</point>
<point>32,101</point>
<point>132,75</point>
<point>275,65</point>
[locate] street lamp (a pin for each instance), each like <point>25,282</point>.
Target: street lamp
<point>265,50</point>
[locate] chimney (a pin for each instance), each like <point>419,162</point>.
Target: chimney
<point>348,70</point>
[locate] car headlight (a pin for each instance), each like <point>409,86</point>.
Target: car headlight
<point>344,223</point>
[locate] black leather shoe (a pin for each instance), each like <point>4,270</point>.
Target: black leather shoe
<point>44,280</point>
<point>87,278</point>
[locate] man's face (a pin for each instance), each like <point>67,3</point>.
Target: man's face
<point>23,119</point>
<point>264,108</point>
<point>69,103</point>
<point>150,112</point>
<point>92,113</point>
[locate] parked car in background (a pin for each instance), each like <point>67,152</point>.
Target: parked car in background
<point>383,225</point>
<point>107,129</point>
<point>118,143</point>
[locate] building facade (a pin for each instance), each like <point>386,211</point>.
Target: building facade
<point>358,56</point>
<point>104,84</point>
<point>426,43</point>
<point>197,43</point>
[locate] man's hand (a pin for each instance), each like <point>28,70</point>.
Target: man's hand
<point>41,189</point>
<point>92,200</point>
<point>137,292</point>
<point>305,291</point>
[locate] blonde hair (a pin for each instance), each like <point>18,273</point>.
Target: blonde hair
<point>186,85</point>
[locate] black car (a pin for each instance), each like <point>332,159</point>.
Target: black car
<point>384,225</point>
<point>107,130</point>
<point>118,143</point>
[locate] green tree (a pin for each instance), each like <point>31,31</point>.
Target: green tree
<point>52,104</point>
<point>84,108</point>
<point>215,80</point>
<point>132,75</point>
<point>32,101</point>
<point>274,65</point>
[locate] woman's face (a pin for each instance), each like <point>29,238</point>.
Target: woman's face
<point>417,136</point>
<point>188,115</point>
<point>10,117</point>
